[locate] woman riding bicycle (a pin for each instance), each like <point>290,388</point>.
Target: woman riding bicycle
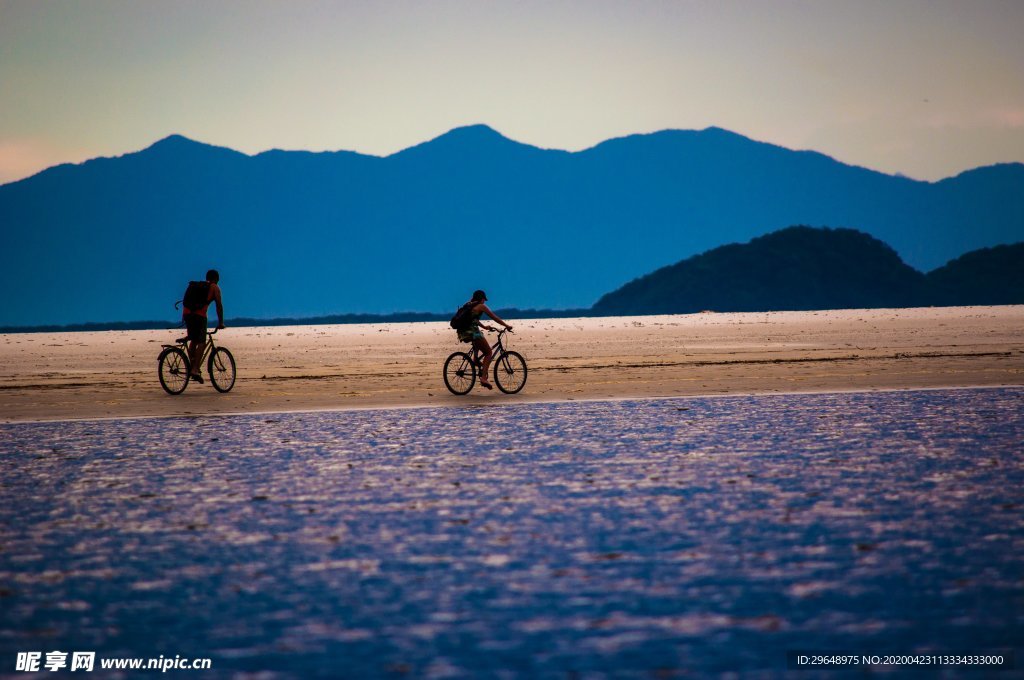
<point>472,331</point>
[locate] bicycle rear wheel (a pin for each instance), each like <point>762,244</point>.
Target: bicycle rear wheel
<point>173,369</point>
<point>459,373</point>
<point>221,369</point>
<point>510,372</point>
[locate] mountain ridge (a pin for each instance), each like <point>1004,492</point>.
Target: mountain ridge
<point>299,233</point>
<point>180,140</point>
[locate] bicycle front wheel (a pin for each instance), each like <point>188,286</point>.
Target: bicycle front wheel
<point>459,373</point>
<point>221,369</point>
<point>510,372</point>
<point>173,370</point>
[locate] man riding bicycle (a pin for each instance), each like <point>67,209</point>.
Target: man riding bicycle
<point>470,330</point>
<point>197,300</point>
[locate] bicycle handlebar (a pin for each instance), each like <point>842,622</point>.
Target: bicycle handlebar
<point>208,332</point>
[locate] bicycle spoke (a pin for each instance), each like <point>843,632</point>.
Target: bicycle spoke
<point>172,371</point>
<point>221,368</point>
<point>510,372</point>
<point>459,374</point>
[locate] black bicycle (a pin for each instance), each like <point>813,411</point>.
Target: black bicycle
<point>174,367</point>
<point>460,369</point>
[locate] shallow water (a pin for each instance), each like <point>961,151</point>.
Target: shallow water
<point>604,538</point>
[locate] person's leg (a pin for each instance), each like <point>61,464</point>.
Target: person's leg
<point>485,349</point>
<point>195,355</point>
<point>196,342</point>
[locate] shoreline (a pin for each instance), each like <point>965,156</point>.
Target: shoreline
<point>112,374</point>
<point>409,407</point>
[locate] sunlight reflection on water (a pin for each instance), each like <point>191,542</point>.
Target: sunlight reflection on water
<point>701,534</point>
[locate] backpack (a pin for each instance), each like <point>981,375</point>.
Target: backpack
<point>197,295</point>
<point>463,317</point>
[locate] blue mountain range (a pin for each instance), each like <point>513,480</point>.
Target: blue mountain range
<point>304,234</point>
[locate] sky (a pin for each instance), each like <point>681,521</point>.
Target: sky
<point>926,88</point>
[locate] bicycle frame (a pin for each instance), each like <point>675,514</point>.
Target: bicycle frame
<point>497,349</point>
<point>182,344</point>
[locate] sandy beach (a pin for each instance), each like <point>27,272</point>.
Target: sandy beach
<point>57,376</point>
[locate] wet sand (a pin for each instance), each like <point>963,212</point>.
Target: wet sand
<point>56,376</point>
<point>697,537</point>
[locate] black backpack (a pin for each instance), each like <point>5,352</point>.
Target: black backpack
<point>197,295</point>
<point>463,318</point>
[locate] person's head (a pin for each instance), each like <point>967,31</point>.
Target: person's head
<point>213,276</point>
<point>479,296</point>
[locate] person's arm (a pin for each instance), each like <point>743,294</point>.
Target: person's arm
<point>487,310</point>
<point>482,308</point>
<point>215,289</point>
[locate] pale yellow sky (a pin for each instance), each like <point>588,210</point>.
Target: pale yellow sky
<point>928,88</point>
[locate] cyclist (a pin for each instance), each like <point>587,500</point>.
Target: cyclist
<point>194,315</point>
<point>471,331</point>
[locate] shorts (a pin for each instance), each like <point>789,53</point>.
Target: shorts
<point>196,326</point>
<point>470,335</point>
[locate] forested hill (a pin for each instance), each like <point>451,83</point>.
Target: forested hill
<point>990,276</point>
<point>802,268</point>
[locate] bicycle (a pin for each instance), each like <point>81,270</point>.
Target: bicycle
<point>460,369</point>
<point>173,366</point>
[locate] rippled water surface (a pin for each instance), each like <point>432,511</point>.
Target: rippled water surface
<point>602,538</point>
